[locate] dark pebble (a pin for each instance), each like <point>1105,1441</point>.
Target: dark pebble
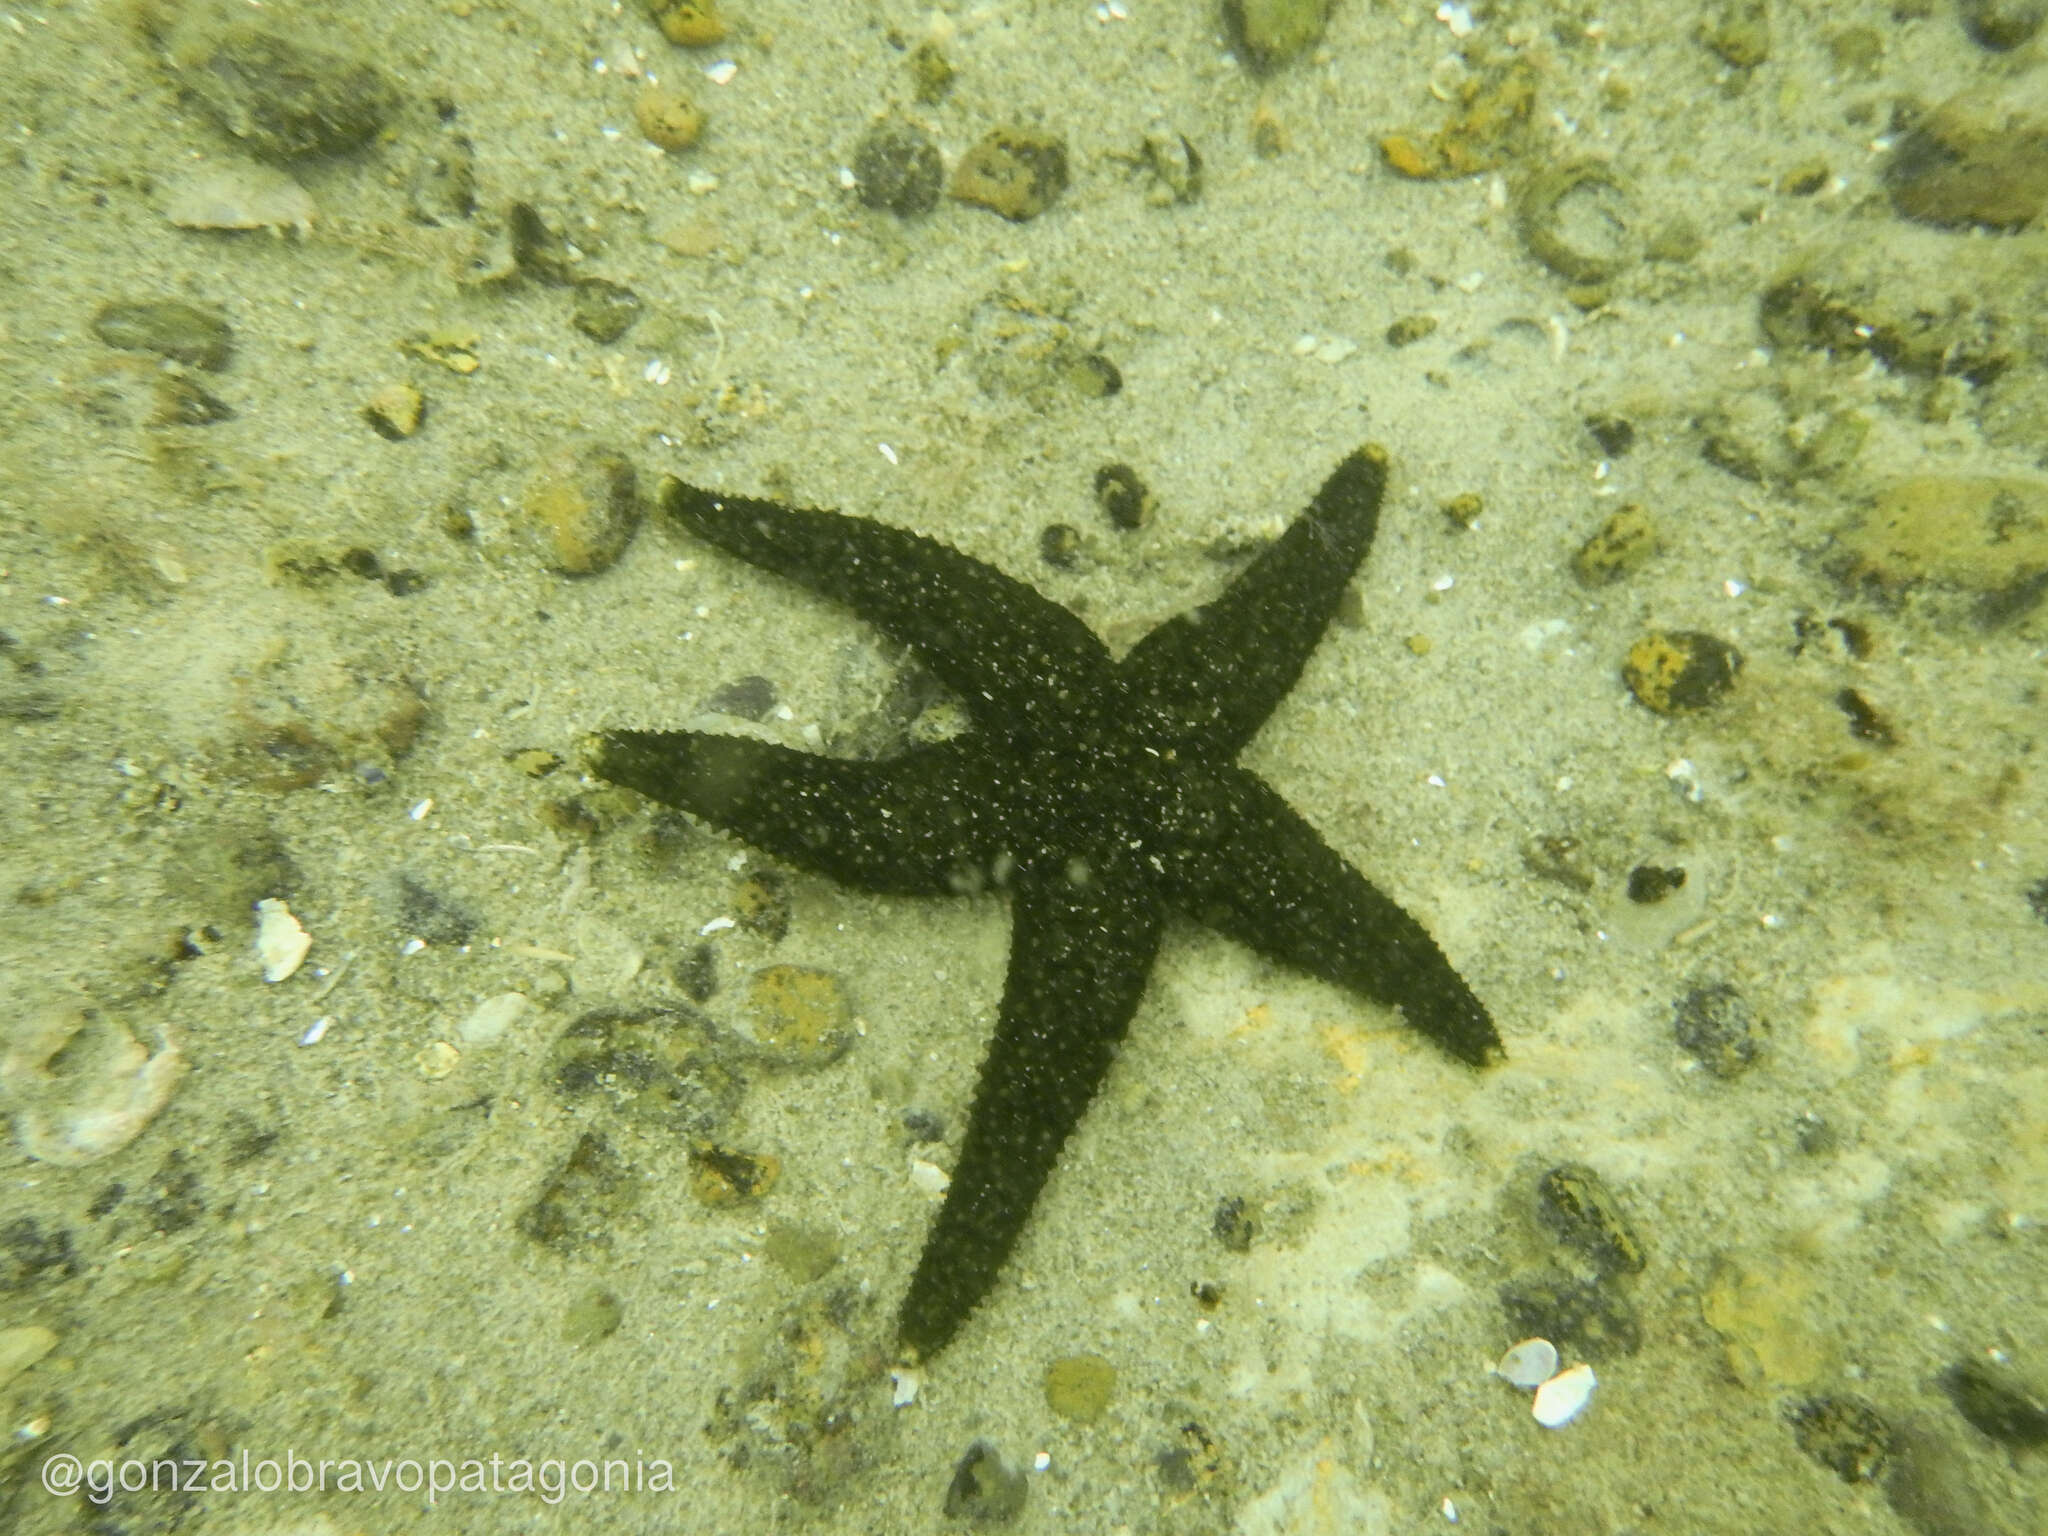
<point>1844,1433</point>
<point>751,698</point>
<point>603,310</point>
<point>1124,498</point>
<point>1615,434</point>
<point>898,169</point>
<point>1059,545</point>
<point>1715,1025</point>
<point>1233,1224</point>
<point>1579,1208</point>
<point>1649,884</point>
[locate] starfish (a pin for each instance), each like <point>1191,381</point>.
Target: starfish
<point>1100,794</point>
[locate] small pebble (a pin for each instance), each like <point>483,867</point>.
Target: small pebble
<point>281,944</point>
<point>1017,172</point>
<point>897,168</point>
<point>1528,1364</point>
<point>667,118</point>
<point>1564,1397</point>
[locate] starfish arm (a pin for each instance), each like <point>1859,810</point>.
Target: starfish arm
<point>1010,653</point>
<point>1079,957</point>
<point>1217,672</point>
<point>1265,878</point>
<point>922,824</point>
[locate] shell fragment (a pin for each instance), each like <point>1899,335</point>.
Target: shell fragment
<point>1562,1398</point>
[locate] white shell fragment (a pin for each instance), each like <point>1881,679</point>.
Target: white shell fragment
<point>281,944</point>
<point>244,195</point>
<point>1562,1398</point>
<point>490,1019</point>
<point>1528,1364</point>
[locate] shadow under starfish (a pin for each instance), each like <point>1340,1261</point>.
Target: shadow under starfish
<point>1100,794</point>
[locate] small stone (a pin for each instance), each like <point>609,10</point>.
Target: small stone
<point>1078,1387</point>
<point>1674,670</point>
<point>1649,884</point>
<point>897,168</point>
<point>603,310</point>
<point>1270,32</point>
<point>583,503</point>
<point>1123,497</point>
<point>1715,1025</point>
<point>582,1199</point>
<point>1577,1206</point>
<point>1059,545</point>
<point>1463,510</point>
<point>185,333</point>
<point>593,1317</point>
<point>1017,172</point>
<point>1233,1224</point>
<point>688,23</point>
<point>1845,1434</point>
<point>667,118</point>
<point>723,1176</point>
<point>281,944</point>
<point>395,411</point>
<point>1615,434</point>
<point>1528,1364</point>
<point>1409,329</point>
<point>984,1490</point>
<point>1619,547</point>
<point>797,1017</point>
<point>1741,33</point>
<point>1564,1397</point>
<point>285,100</point>
<point>931,72</point>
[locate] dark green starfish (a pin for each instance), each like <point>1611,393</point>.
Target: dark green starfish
<point>1100,794</point>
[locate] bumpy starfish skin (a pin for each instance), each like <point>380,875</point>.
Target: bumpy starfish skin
<point>1100,794</point>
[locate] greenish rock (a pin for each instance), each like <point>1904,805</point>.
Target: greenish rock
<point>582,1200</point>
<point>897,168</point>
<point>1270,32</point>
<point>1844,1433</point>
<point>603,310</point>
<point>1740,33</point>
<point>660,1067</point>
<point>1575,1203</point>
<point>803,1253</point>
<point>1715,1026</point>
<point>196,336</point>
<point>797,1018</point>
<point>592,1317</point>
<point>283,99</point>
<point>1619,547</point>
<point>1078,1387</point>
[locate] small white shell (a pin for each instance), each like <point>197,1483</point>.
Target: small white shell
<point>281,944</point>
<point>1562,1398</point>
<point>1528,1364</point>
